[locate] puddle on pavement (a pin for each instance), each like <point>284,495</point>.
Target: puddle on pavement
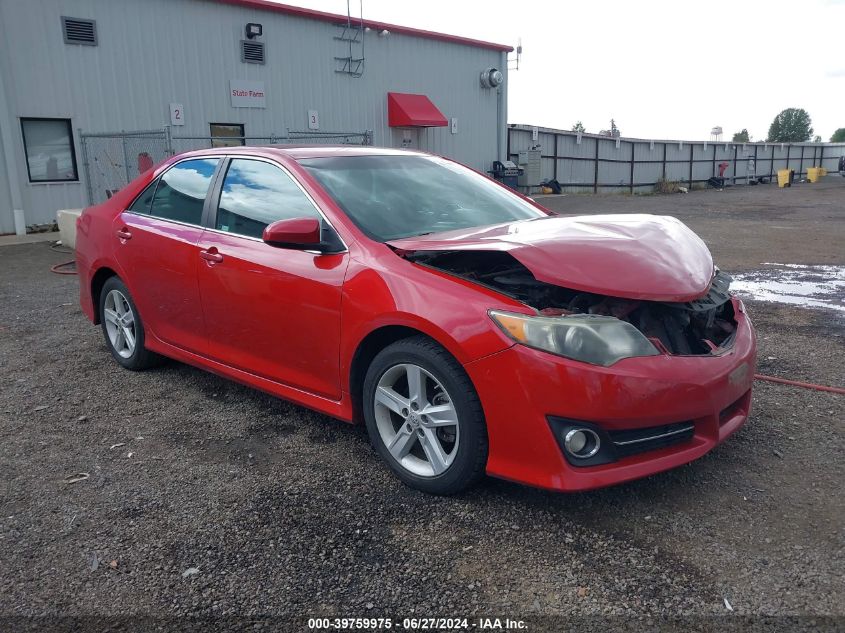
<point>794,284</point>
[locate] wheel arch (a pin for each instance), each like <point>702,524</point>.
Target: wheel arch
<point>367,349</point>
<point>98,280</point>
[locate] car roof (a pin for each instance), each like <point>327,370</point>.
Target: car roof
<point>297,152</point>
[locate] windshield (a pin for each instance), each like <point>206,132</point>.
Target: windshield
<point>390,197</point>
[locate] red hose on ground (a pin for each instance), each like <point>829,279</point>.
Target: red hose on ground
<point>798,383</point>
<point>59,269</point>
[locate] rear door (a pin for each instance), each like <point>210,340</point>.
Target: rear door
<point>156,246</point>
<point>273,312</point>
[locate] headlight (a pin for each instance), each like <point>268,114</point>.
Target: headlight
<point>600,340</point>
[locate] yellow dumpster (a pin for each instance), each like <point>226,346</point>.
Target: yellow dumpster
<point>785,177</point>
<point>813,174</point>
<point>822,171</point>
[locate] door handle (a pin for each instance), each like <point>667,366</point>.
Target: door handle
<point>124,234</point>
<point>211,256</point>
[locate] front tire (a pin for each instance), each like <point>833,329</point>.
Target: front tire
<point>123,328</point>
<point>424,417</point>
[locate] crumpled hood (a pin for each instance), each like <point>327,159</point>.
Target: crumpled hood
<point>651,257</point>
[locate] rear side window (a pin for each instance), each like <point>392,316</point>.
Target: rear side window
<point>142,203</point>
<point>256,194</point>
<point>181,191</point>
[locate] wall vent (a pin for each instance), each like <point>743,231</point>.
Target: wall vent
<point>79,31</point>
<point>252,52</point>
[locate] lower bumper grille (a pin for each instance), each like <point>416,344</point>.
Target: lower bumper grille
<point>635,441</point>
<point>619,444</point>
<point>735,407</point>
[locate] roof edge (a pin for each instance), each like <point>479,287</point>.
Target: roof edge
<point>336,18</point>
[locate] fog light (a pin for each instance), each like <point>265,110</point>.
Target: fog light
<point>582,443</point>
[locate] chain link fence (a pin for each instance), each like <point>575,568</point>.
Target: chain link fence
<point>111,160</point>
<point>188,143</point>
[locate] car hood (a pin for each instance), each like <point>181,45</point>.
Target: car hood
<point>650,257</point>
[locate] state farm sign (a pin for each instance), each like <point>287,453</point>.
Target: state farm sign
<point>246,94</point>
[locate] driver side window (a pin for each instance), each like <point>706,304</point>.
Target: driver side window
<point>255,194</point>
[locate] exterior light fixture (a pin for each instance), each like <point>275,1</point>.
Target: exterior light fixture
<point>582,443</point>
<point>254,30</point>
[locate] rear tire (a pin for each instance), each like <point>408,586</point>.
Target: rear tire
<point>123,328</point>
<point>424,417</point>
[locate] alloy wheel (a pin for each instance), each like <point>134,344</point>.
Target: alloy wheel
<point>120,323</point>
<point>416,419</point>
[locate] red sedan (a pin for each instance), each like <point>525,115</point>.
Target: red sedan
<point>471,330</point>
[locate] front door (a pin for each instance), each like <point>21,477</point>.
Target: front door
<point>156,246</point>
<point>273,312</point>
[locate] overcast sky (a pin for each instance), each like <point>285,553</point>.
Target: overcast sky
<point>661,69</point>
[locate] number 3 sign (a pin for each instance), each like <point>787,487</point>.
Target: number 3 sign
<point>177,114</point>
<point>313,120</point>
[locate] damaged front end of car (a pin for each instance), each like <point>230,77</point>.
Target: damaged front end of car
<point>591,327</point>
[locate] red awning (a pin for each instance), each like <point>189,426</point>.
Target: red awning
<point>407,110</point>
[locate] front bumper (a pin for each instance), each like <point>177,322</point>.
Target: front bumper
<point>521,388</point>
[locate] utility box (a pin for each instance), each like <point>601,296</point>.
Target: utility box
<point>529,164</point>
<point>66,219</point>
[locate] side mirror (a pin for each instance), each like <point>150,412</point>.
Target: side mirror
<point>301,233</point>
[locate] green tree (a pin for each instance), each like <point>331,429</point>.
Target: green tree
<point>791,126</point>
<point>742,137</point>
<point>817,139</point>
<point>578,127</point>
<point>838,136</point>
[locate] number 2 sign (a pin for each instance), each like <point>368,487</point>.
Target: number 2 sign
<point>177,114</point>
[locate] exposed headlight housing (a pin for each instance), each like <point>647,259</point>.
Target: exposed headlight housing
<point>595,339</point>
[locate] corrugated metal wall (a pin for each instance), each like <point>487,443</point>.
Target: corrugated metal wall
<point>600,164</point>
<point>155,52</point>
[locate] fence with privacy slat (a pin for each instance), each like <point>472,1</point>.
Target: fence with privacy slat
<point>603,164</point>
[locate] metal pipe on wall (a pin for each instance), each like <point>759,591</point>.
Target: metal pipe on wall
<point>502,109</point>
<point>6,140</point>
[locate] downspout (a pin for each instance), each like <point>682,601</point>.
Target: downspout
<point>6,140</point>
<point>502,109</point>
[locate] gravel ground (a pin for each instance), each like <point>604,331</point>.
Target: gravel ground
<point>208,499</point>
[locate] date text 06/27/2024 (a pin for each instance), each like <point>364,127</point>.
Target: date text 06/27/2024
<point>417,624</point>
